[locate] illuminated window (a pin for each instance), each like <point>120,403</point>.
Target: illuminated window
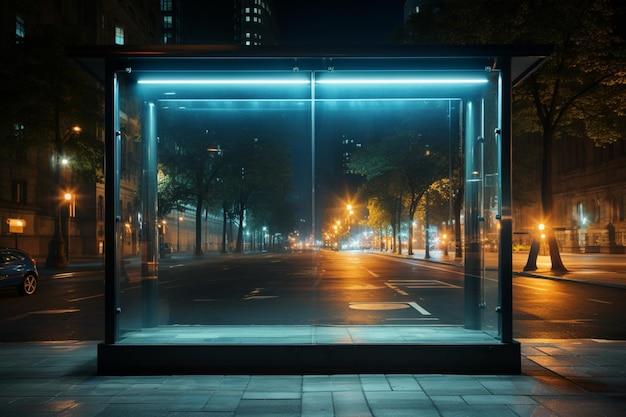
<point>119,35</point>
<point>167,22</point>
<point>18,131</point>
<point>20,30</point>
<point>166,5</point>
<point>19,192</point>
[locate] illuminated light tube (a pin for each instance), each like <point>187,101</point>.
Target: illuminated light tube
<point>346,81</point>
<point>335,81</point>
<point>213,81</point>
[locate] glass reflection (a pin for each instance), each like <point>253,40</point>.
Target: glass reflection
<point>293,199</point>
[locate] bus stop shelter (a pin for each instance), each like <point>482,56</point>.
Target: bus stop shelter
<point>154,93</point>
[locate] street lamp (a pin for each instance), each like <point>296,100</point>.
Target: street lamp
<point>542,233</point>
<point>56,249</point>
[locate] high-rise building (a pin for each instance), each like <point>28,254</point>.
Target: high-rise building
<point>219,22</point>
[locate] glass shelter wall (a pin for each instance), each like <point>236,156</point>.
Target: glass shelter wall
<point>307,198</point>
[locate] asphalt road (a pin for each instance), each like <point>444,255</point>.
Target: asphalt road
<point>325,288</point>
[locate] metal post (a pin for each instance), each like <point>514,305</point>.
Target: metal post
<point>150,240</point>
<point>473,215</point>
<point>505,255</point>
<point>111,201</point>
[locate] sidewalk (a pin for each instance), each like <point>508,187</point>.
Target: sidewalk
<point>583,377</point>
<point>581,267</point>
<point>566,378</point>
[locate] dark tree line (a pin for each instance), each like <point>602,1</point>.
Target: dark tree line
<point>247,179</point>
<point>579,92</point>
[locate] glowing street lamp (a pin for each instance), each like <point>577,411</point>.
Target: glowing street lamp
<point>56,249</point>
<point>542,228</point>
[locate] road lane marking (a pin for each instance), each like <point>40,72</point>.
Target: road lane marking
<point>91,297</point>
<point>420,308</point>
<point>388,305</point>
<point>423,283</point>
<point>256,295</point>
<point>59,311</point>
<point>571,321</point>
<point>394,284</point>
<point>260,297</point>
<point>595,300</point>
<point>413,319</point>
<point>396,289</point>
<point>379,306</point>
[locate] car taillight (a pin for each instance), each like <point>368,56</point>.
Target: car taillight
<point>34,261</point>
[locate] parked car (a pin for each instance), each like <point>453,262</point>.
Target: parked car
<point>18,269</point>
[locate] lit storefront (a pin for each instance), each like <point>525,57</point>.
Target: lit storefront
<point>306,97</point>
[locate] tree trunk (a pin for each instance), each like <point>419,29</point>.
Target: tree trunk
<point>410,240</point>
<point>225,219</point>
<point>547,205</point>
<point>239,245</point>
<point>199,204</point>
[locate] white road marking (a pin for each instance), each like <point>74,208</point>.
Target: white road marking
<point>73,300</point>
<point>260,297</point>
<point>60,311</point>
<point>423,283</point>
<point>396,289</point>
<point>413,319</point>
<point>420,308</point>
<point>388,305</point>
<point>599,301</point>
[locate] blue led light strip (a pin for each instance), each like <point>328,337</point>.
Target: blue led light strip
<point>334,81</point>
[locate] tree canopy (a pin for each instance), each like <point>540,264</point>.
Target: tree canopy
<point>580,91</point>
<point>45,96</point>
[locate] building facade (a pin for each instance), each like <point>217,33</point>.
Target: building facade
<point>590,195</point>
<point>27,190</point>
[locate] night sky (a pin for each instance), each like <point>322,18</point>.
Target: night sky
<point>339,22</point>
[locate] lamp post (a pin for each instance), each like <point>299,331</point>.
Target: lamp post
<point>426,231</point>
<point>56,248</point>
<point>71,212</point>
<point>180,219</point>
<point>349,223</point>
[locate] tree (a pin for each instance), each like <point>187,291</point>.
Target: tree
<point>188,157</point>
<point>579,91</point>
<point>409,165</point>
<point>258,177</point>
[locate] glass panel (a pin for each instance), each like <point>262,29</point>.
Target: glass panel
<point>482,199</point>
<point>303,203</point>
